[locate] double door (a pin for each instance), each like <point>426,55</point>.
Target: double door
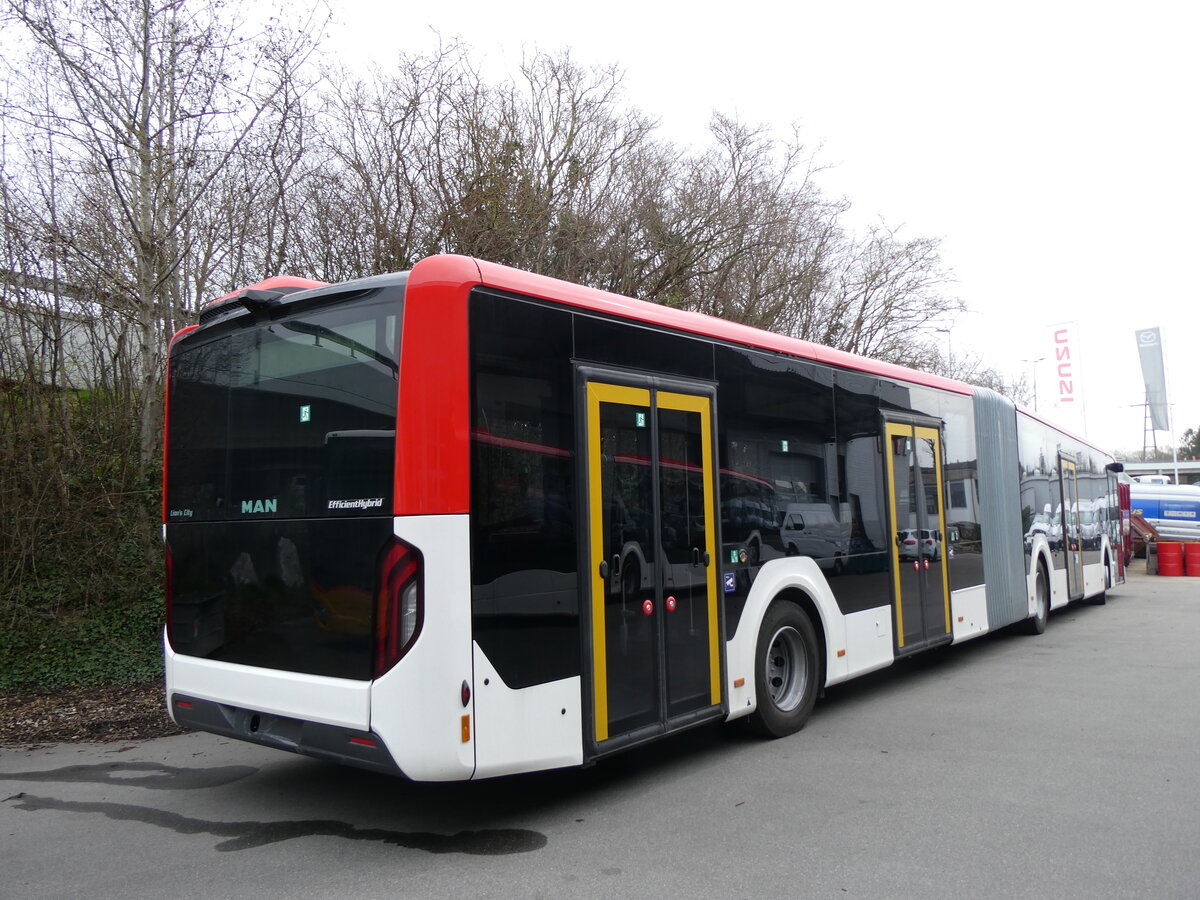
<point>1071,539</point>
<point>920,579</point>
<point>651,498</point>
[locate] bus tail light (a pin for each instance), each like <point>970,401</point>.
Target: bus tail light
<point>399,603</point>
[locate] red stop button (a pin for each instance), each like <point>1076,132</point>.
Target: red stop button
<point>671,604</point>
<point>648,607</point>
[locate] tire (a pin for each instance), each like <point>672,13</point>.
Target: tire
<point>786,666</point>
<point>1041,614</point>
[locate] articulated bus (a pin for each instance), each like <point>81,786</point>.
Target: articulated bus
<point>465,521</point>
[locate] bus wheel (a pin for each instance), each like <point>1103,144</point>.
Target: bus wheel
<point>785,671</point>
<point>1041,603</point>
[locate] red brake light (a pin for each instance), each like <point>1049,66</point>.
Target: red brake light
<point>399,603</point>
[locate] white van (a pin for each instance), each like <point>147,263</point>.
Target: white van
<point>814,529</point>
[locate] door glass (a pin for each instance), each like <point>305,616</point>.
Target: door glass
<point>1071,532</point>
<point>627,511</point>
<point>906,534</point>
<point>936,598</point>
<point>685,553</point>
<point>1111,525</point>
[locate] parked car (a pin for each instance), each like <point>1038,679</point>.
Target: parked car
<point>919,543</point>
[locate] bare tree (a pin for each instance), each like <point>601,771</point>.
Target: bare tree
<point>885,290</point>
<point>148,104</point>
<point>972,369</point>
<point>761,244</point>
<point>376,204</point>
<point>537,167</point>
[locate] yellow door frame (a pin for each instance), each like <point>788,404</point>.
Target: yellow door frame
<point>601,392</point>
<point>915,432</point>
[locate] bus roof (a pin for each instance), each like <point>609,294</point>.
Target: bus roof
<point>464,270</point>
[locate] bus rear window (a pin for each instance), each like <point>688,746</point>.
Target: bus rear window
<point>292,418</point>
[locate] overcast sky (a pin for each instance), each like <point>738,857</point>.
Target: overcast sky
<point>1052,146</point>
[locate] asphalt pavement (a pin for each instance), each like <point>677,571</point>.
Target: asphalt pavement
<point>1062,765</point>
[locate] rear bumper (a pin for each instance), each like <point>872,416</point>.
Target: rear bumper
<point>334,743</point>
<point>327,718</point>
<point>312,698</point>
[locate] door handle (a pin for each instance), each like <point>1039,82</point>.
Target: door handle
<point>698,557</point>
<point>614,569</point>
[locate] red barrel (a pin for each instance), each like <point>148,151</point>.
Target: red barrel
<point>1191,559</point>
<point>1170,558</point>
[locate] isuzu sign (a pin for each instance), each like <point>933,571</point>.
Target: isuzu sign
<point>1064,365</point>
<point>1065,362</point>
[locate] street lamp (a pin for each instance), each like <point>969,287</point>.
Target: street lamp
<point>949,348</point>
<point>1035,362</point>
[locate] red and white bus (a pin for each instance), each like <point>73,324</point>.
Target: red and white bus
<point>466,521</point>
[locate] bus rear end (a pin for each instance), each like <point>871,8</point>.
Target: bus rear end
<point>289,594</point>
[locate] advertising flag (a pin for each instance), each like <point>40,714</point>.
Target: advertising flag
<point>1149,341</point>
<point>1066,382</point>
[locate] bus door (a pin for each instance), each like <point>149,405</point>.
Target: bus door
<point>1072,541</point>
<point>1116,524</point>
<point>920,580</point>
<point>654,640</point>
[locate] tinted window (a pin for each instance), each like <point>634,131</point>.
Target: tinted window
<point>780,484</point>
<point>961,472</point>
<point>866,582</point>
<point>1041,500</point>
<point>286,419</point>
<point>633,347</point>
<point>294,595</point>
<point>525,603</point>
